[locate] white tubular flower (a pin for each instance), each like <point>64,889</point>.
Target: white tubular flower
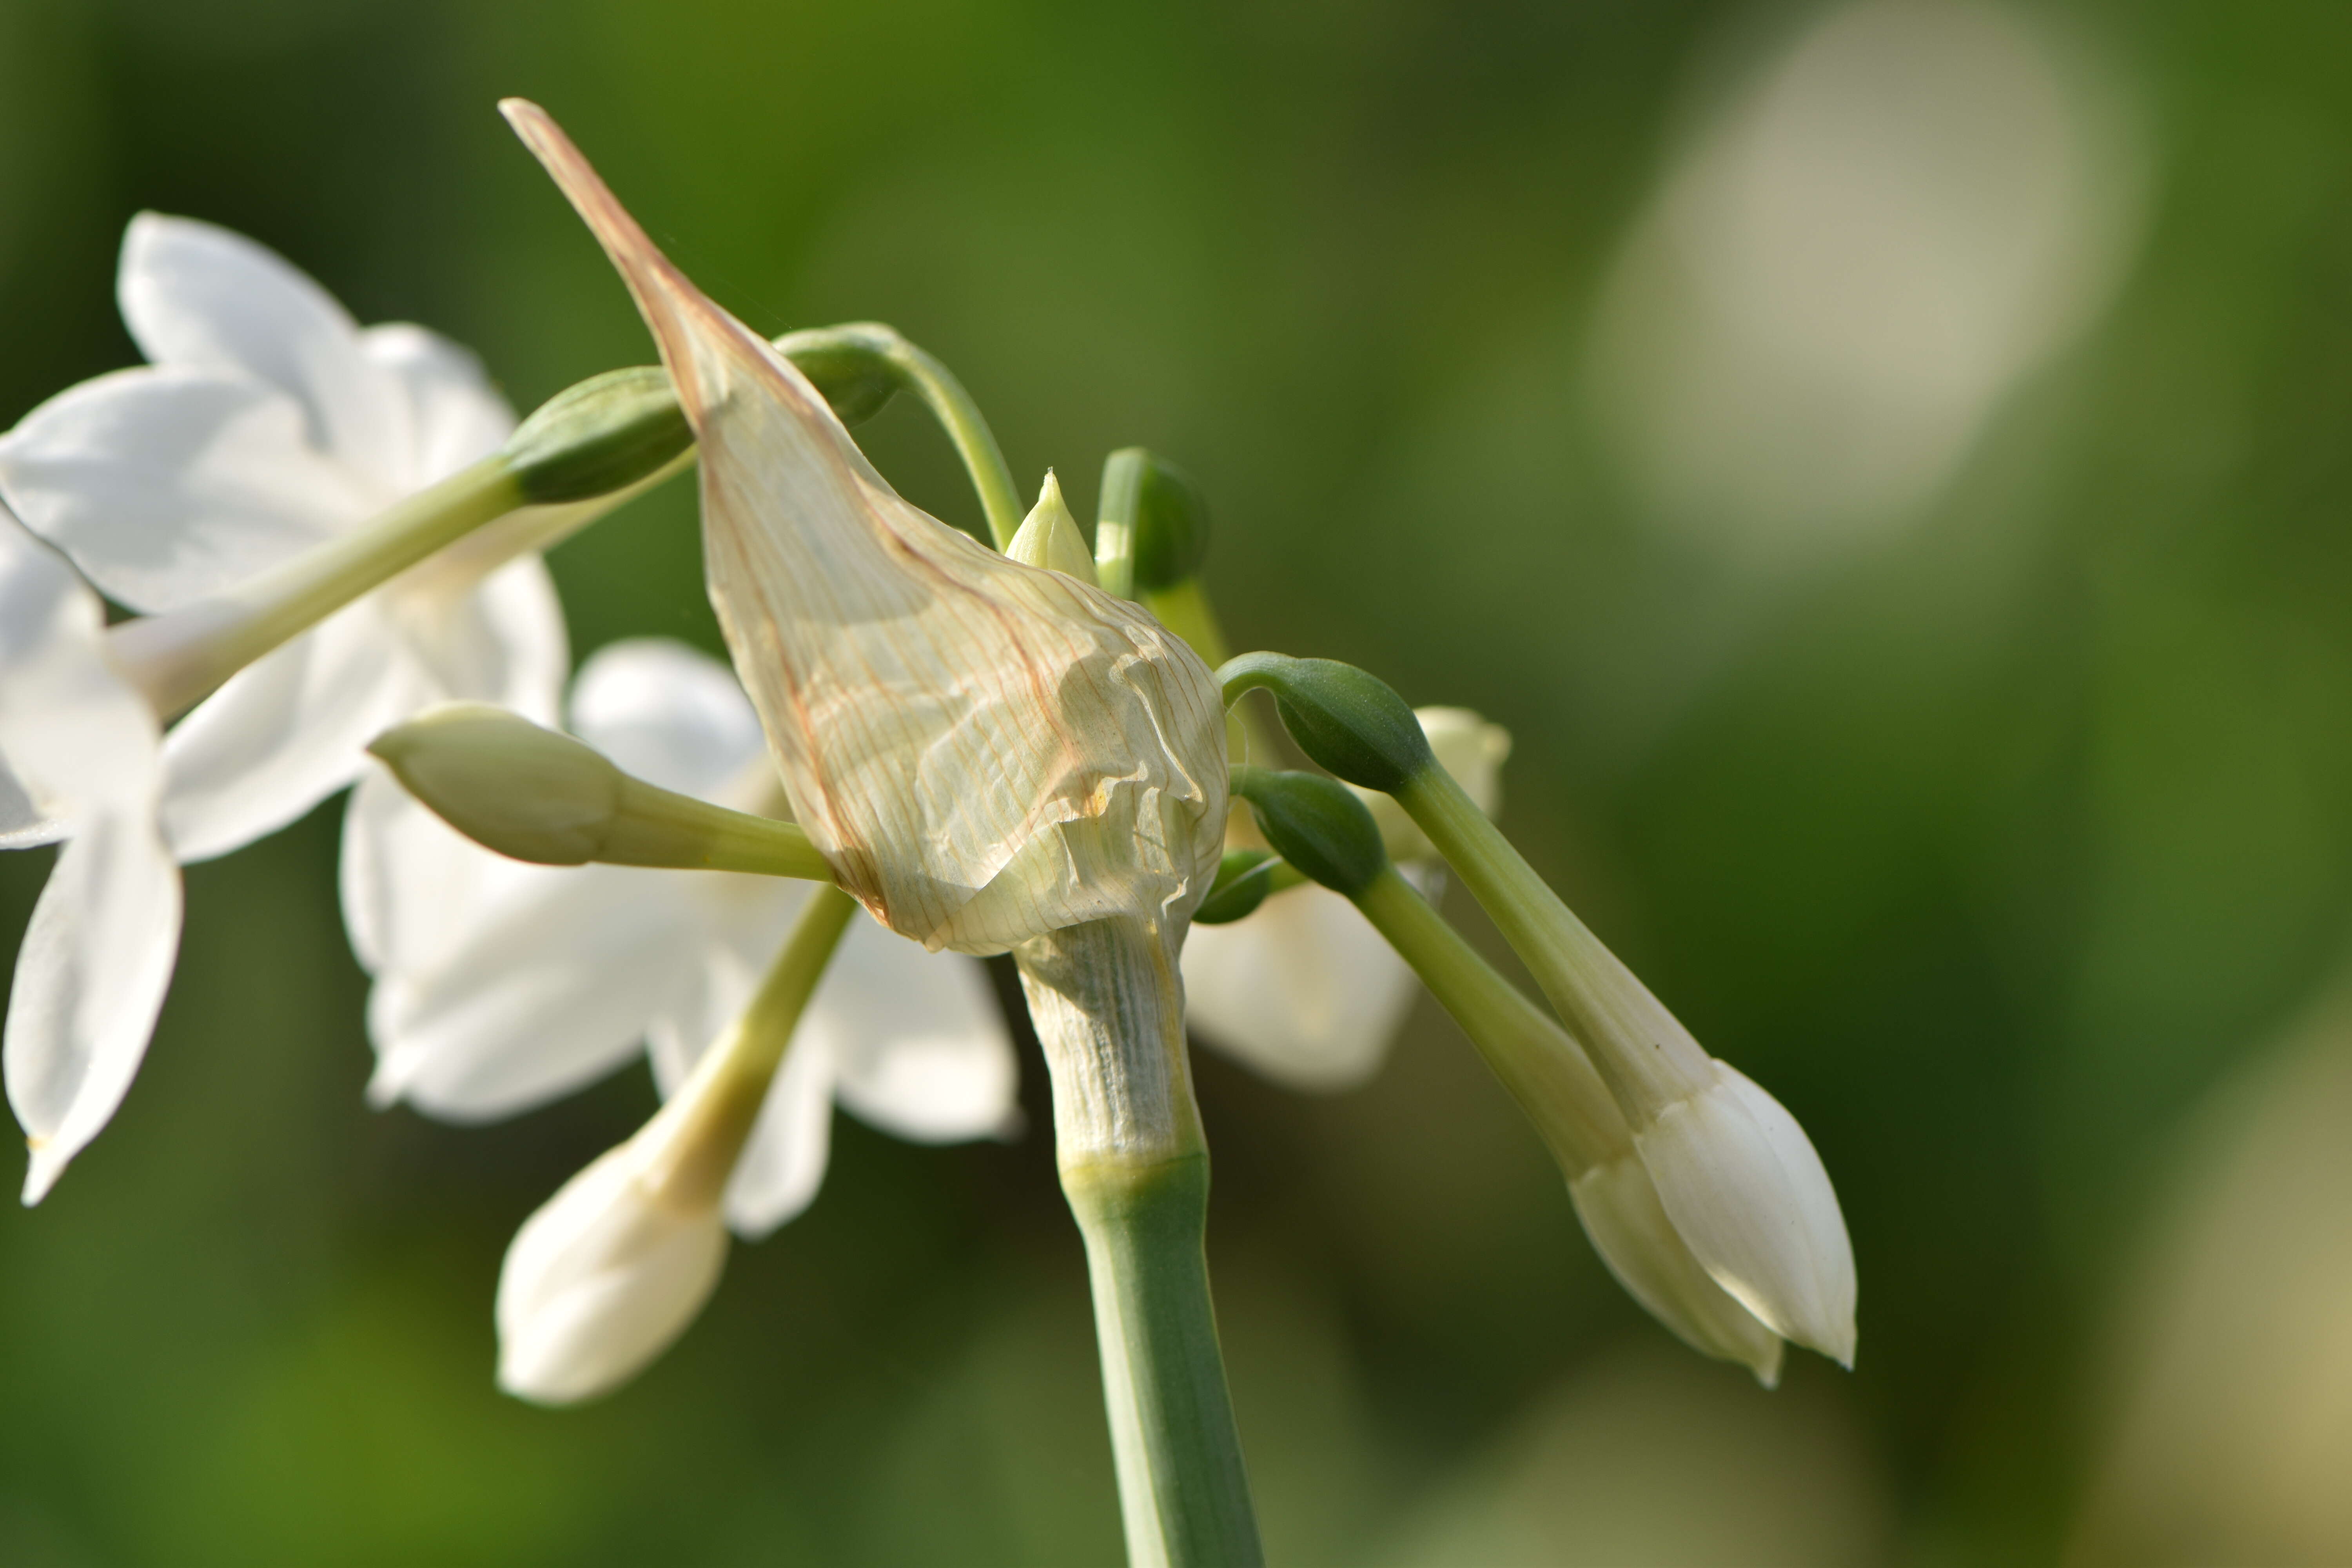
<point>1744,1187</point>
<point>79,751</point>
<point>500,985</point>
<point>985,750</point>
<point>1303,990</point>
<point>267,423</point>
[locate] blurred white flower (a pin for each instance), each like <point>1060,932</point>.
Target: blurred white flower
<point>1303,989</point>
<point>80,751</point>
<point>268,421</point>
<point>1869,242</point>
<point>500,985</point>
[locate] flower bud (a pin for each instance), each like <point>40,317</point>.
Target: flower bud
<point>603,435</point>
<point>1743,1187</point>
<point>1618,1208</point>
<point>1348,721</point>
<point>984,752</point>
<point>1316,824</point>
<point>1153,529</point>
<point>850,366</point>
<point>602,1280</point>
<point>1244,877</point>
<point>1049,537</point>
<point>537,796</point>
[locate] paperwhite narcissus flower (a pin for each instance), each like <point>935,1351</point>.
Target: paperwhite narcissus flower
<point>983,750</point>
<point>266,423</point>
<point>80,748</point>
<point>500,985</point>
<point>1303,990</point>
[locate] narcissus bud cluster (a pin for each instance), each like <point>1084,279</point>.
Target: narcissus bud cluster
<point>929,749</point>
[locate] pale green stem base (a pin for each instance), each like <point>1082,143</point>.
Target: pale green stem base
<point>1182,1490</point>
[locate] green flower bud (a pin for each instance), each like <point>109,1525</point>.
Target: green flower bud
<point>1243,879</point>
<point>1049,537</point>
<point>1156,518</point>
<point>851,364</point>
<point>537,796</point>
<point>1316,824</point>
<point>1351,722</point>
<point>603,434</point>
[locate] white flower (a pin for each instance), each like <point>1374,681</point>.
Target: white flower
<point>499,986</point>
<point>985,750</point>
<point>79,753</point>
<point>1303,990</point>
<point>269,422</point>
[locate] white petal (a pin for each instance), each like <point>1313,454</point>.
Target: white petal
<point>598,1283</point>
<point>501,641</point>
<point>917,1039</point>
<point>284,734</point>
<point>1303,990</point>
<point>1620,1212</point>
<point>783,1163</point>
<point>23,824</point>
<point>414,887</point>
<point>552,989</point>
<point>73,736</point>
<point>667,713</point>
<point>1744,1187</point>
<point>169,485</point>
<point>195,294</point>
<point>457,416</point>
<point>89,980</point>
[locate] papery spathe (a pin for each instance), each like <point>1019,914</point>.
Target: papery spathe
<point>985,750</point>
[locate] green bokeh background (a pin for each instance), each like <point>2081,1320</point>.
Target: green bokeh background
<point>1992,844</point>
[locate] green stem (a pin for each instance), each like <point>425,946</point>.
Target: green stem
<point>958,415</point>
<point>1109,1012</point>
<point>1648,1058</point>
<point>180,658</point>
<point>1182,1490</point>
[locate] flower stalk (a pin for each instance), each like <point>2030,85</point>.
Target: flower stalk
<point>1108,1010</point>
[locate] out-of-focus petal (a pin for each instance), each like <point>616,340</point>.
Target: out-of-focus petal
<point>918,1040</point>
<point>666,713</point>
<point>284,734</point>
<point>166,486</point>
<point>197,295</point>
<point>783,1164</point>
<point>1305,990</point>
<point>90,978</point>
<point>23,824</point>
<point>456,415</point>
<point>414,887</point>
<point>553,989</point>
<point>502,642</point>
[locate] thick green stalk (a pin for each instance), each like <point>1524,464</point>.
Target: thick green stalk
<point>1135,1168</point>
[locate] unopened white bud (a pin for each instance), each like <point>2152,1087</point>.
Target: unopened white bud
<point>1049,537</point>
<point>1629,1229</point>
<point>603,1278</point>
<point>1743,1187</point>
